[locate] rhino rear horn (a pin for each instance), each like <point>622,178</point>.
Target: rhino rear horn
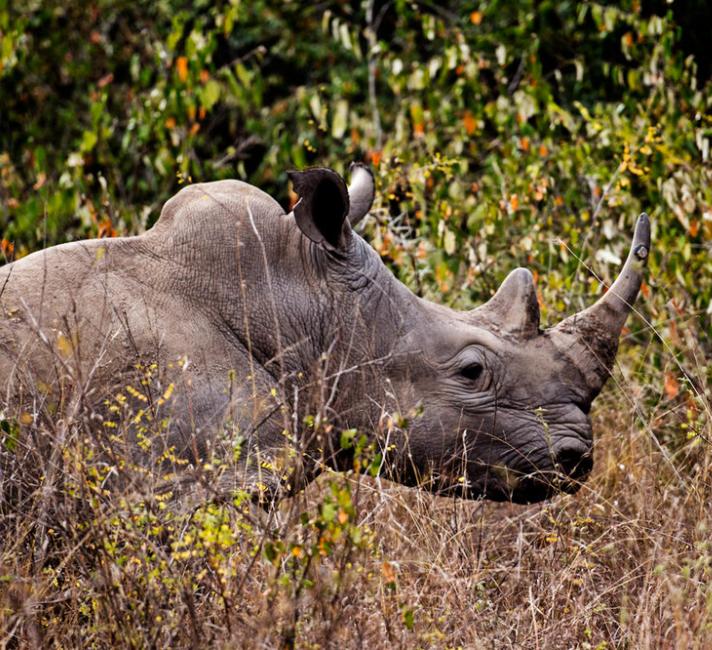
<point>514,309</point>
<point>323,205</point>
<point>362,191</point>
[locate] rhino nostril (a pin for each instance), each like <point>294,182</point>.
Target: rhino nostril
<point>574,462</point>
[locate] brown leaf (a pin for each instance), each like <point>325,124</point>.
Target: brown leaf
<point>105,80</point>
<point>64,346</point>
<point>644,289</point>
<point>41,180</point>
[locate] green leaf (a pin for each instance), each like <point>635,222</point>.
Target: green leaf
<point>211,94</point>
<point>341,116</point>
<point>11,431</point>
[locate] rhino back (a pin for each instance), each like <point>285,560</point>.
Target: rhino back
<point>89,317</point>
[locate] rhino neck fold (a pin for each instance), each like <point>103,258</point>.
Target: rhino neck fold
<point>328,324</point>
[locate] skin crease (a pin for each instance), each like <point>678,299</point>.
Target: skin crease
<point>259,318</point>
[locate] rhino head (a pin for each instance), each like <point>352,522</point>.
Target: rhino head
<point>499,408</point>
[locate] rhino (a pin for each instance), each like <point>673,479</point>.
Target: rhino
<point>238,326</point>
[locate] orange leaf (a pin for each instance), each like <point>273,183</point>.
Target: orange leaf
<point>293,198</point>
<point>476,17</point>
<point>418,129</point>
<point>644,289</point>
<point>694,228</point>
<point>672,387</point>
<point>469,122</point>
<point>388,572</point>
<point>105,229</point>
<point>543,150</point>
<point>375,156</point>
<point>182,67</point>
<point>524,143</point>
<point>514,202</point>
<point>7,248</point>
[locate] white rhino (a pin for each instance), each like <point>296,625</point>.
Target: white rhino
<point>284,330</point>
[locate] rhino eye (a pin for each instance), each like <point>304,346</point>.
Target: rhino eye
<point>472,371</point>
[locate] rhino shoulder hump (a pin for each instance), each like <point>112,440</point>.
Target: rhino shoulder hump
<point>224,200</point>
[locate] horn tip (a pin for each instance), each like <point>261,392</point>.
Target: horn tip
<point>641,239</point>
<point>359,165</point>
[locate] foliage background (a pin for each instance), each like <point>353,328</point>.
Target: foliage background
<point>501,133</point>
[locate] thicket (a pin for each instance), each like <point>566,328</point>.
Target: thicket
<point>501,134</point>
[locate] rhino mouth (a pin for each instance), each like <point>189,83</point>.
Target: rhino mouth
<point>523,483</point>
<point>507,484</point>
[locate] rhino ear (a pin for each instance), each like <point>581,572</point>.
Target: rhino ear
<point>322,207</point>
<point>362,191</point>
<point>514,308</point>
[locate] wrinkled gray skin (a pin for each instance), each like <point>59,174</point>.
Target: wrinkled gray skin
<point>260,317</point>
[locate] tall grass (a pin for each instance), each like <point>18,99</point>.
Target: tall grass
<point>95,552</point>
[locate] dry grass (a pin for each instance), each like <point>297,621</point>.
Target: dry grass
<point>358,562</point>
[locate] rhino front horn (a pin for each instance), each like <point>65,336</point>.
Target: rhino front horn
<point>599,326</point>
